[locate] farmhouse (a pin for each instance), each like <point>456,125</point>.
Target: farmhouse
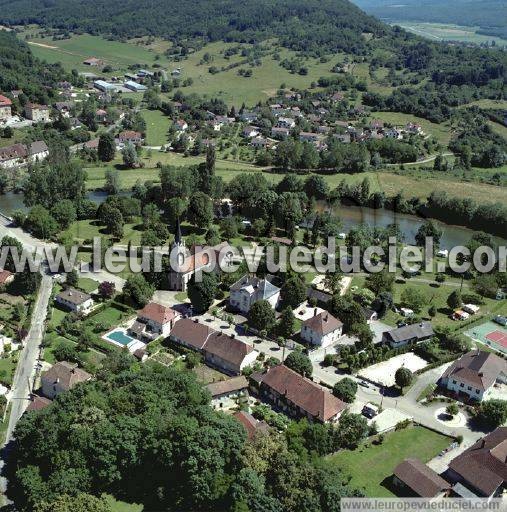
<point>413,478</point>
<point>191,334</point>
<point>414,333</point>
<point>322,329</point>
<point>19,155</point>
<point>224,393</point>
<point>481,470</point>
<point>130,136</point>
<point>61,377</point>
<point>93,61</point>
<point>5,108</point>
<point>37,113</point>
<point>474,374</point>
<point>297,396</point>
<point>228,354</point>
<point>152,321</point>
<point>75,300</point>
<point>252,426</point>
<point>245,292</point>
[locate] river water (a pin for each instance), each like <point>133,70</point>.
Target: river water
<point>349,217</point>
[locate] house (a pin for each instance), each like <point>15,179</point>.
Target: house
<point>101,115</point>
<point>18,155</point>
<point>280,133</point>
<point>481,470</point>
<point>252,426</point>
<point>6,277</point>
<point>412,478</point>
<point>250,131</point>
<point>191,334</point>
<point>181,125</point>
<point>228,354</point>
<point>392,133</point>
<point>134,86</point>
<point>61,377</point>
<point>5,108</point>
<point>37,113</point>
<point>298,396</point>
<point>225,393</point>
<point>153,321</point>
<point>93,61</point>
<point>322,329</point>
<point>475,374</point>
<point>75,300</point>
<point>130,136</point>
<point>308,137</point>
<point>337,97</point>
<point>286,122</point>
<point>249,117</point>
<point>38,403</point>
<point>376,124</point>
<point>64,107</point>
<point>414,128</point>
<point>321,297</point>
<point>370,315</point>
<point>259,142</point>
<point>245,292</point>
<point>414,333</point>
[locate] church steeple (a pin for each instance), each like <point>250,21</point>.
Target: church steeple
<point>178,239</point>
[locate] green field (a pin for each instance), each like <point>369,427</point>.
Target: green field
<point>449,32</point>
<point>157,125</point>
<point>71,52</point>
<point>371,466</point>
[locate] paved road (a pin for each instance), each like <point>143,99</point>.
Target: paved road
<point>23,378</point>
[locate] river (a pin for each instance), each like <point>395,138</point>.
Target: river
<point>349,216</point>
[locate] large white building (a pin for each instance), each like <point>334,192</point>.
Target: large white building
<point>248,290</point>
<point>475,374</point>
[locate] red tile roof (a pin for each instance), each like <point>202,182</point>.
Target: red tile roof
<point>302,392</point>
<point>4,276</point>
<point>4,101</point>
<point>157,313</point>
<point>38,402</point>
<point>252,426</point>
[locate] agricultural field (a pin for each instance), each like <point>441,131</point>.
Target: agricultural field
<point>71,52</point>
<point>449,32</point>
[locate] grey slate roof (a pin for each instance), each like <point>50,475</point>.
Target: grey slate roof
<point>420,331</point>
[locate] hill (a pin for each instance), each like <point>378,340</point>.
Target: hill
<point>299,24</point>
<point>489,15</point>
<point>19,69</point>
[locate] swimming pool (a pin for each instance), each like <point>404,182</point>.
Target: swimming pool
<point>119,336</point>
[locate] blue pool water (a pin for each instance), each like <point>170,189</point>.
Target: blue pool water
<point>120,337</point>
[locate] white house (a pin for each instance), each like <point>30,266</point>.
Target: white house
<point>475,374</point>
<point>61,377</point>
<point>153,321</point>
<point>5,108</point>
<point>322,329</point>
<point>75,300</point>
<point>250,131</point>
<point>19,155</point>
<point>245,292</point>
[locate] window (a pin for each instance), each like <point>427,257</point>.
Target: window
<point>478,391</point>
<point>469,388</point>
<point>462,385</point>
<point>454,382</point>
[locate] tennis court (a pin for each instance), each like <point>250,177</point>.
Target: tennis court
<point>491,334</point>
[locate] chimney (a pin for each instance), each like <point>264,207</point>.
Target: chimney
<point>326,318</point>
<point>315,312</point>
<point>233,336</point>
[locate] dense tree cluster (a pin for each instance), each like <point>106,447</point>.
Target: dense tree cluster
<point>156,422</point>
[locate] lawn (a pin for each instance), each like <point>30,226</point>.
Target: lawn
<point>371,466</point>
<point>7,369</point>
<point>157,125</point>
<point>87,285</point>
<point>122,506</point>
<point>109,317</point>
<point>91,358</point>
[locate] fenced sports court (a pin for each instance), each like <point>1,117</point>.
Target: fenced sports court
<point>491,334</point>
